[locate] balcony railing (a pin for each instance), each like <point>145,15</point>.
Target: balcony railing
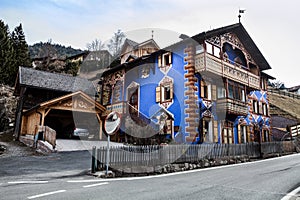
<point>117,107</point>
<point>209,63</point>
<point>232,106</point>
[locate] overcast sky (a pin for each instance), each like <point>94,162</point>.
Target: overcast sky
<point>272,24</point>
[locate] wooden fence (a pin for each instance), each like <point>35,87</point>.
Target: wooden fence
<point>48,134</point>
<point>159,155</point>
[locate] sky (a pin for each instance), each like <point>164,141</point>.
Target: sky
<point>274,25</point>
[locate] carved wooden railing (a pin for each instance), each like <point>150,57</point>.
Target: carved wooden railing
<point>209,63</point>
<point>232,106</point>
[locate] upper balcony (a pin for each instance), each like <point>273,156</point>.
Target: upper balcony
<point>206,62</point>
<point>232,106</point>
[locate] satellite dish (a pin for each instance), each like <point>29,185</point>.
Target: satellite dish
<point>112,123</point>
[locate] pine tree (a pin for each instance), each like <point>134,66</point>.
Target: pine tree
<point>21,47</point>
<point>13,53</point>
<point>7,55</point>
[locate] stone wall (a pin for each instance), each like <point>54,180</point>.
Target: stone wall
<point>8,105</point>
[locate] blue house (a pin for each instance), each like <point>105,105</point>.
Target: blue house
<point>209,88</point>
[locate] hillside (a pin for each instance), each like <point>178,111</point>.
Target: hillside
<point>285,106</point>
<point>40,50</point>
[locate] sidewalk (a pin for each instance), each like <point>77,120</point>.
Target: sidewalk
<point>80,145</point>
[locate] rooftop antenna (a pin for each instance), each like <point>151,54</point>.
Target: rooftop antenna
<point>152,34</point>
<point>240,12</point>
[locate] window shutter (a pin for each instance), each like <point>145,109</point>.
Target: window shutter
<point>202,89</point>
<point>169,126</point>
<point>214,92</point>
<point>260,108</point>
<point>159,61</point>
<point>239,134</point>
<point>171,91</point>
<point>248,134</point>
<point>158,94</point>
<point>216,134</point>
<point>170,58</point>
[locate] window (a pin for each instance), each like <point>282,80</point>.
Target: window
<point>255,106</point>
<point>164,92</point>
<point>165,60</point>
<point>209,48</point>
<point>227,133</point>
<point>213,50</point>
<point>243,134</point>
<point>265,109</point>
<point>221,92</point>
<point>199,49</point>
<point>263,84</point>
<point>204,90</point>
<point>230,91</point>
<point>236,91</point>
<point>207,130</point>
<point>266,137</point>
<point>243,95</point>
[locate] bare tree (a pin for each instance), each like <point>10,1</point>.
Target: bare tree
<point>116,42</point>
<point>95,45</point>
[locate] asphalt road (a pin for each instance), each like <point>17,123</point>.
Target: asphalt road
<point>268,179</point>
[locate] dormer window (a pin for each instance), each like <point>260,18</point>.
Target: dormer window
<point>165,60</point>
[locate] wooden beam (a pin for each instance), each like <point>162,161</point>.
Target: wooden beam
<point>43,117</point>
<point>74,109</point>
<point>47,111</point>
<point>100,128</point>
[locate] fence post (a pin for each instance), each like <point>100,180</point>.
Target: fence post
<point>93,160</point>
<point>98,159</point>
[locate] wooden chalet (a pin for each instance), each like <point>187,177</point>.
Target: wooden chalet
<point>55,100</point>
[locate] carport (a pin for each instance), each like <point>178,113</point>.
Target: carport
<point>62,111</point>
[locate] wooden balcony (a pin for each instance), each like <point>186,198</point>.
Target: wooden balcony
<point>232,106</point>
<point>205,62</point>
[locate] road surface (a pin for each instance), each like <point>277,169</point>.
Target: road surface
<point>268,179</point>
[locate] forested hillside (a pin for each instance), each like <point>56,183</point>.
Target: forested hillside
<point>47,49</point>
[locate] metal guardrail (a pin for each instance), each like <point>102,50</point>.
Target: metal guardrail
<point>284,93</point>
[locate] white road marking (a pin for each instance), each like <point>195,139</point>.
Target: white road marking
<point>178,173</point>
<point>291,194</point>
<point>27,182</point>
<point>94,185</point>
<point>46,194</point>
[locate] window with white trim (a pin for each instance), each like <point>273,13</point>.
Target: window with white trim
<point>165,60</point>
<point>164,92</point>
<point>221,92</point>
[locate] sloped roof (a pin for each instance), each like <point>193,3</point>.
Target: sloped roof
<point>51,103</point>
<point>244,37</point>
<point>52,81</point>
<point>237,28</point>
<point>294,89</point>
<point>131,42</point>
<point>149,41</point>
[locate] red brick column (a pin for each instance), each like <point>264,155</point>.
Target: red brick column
<point>191,97</point>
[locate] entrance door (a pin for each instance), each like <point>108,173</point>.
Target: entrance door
<point>133,101</point>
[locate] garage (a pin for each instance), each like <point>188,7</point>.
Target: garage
<point>65,114</point>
